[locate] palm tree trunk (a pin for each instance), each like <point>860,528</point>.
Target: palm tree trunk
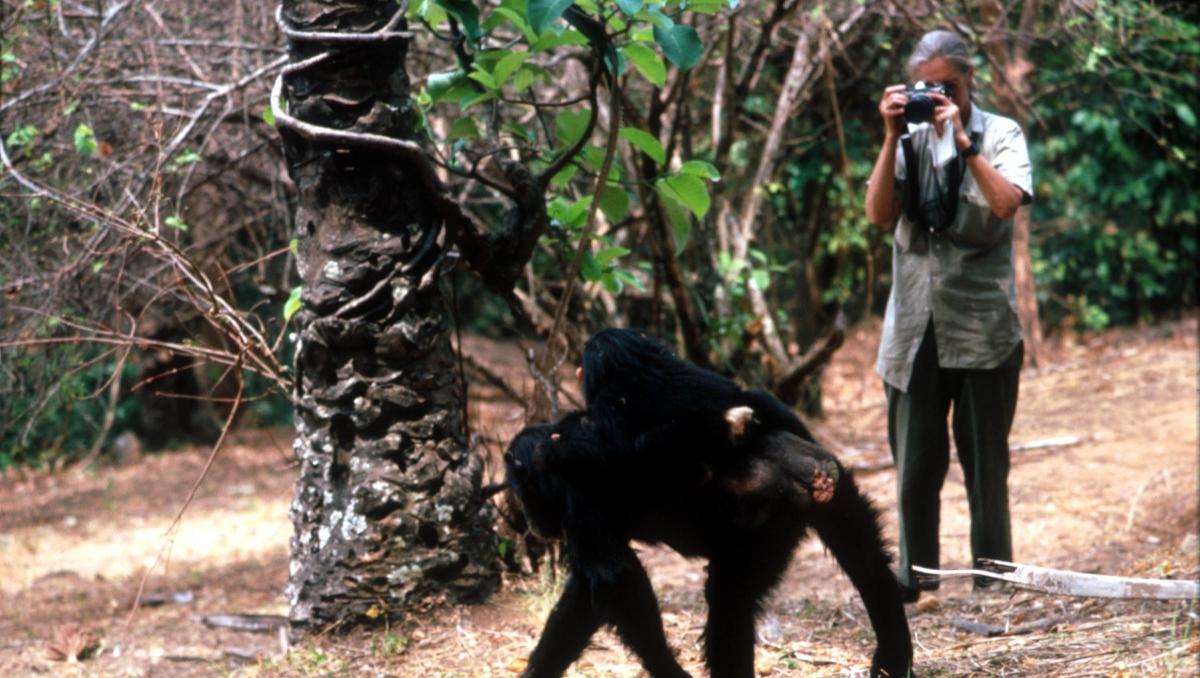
<point>387,510</point>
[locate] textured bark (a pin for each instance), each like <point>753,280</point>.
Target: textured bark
<point>387,511</point>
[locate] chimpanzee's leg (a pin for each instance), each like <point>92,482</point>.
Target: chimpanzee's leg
<point>570,626</point>
<point>613,590</point>
<point>626,599</point>
<point>738,580</point>
<point>849,527</point>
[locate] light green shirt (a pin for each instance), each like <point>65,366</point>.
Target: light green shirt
<point>962,277</point>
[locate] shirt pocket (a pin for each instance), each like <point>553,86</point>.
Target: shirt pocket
<point>910,238</point>
<point>975,226</point>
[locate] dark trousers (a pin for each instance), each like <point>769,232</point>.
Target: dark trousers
<point>984,404</point>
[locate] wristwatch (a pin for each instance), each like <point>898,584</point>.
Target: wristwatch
<point>969,151</point>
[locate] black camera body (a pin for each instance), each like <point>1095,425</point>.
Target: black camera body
<point>920,105</point>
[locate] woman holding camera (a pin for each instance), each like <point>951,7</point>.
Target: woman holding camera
<point>949,178</point>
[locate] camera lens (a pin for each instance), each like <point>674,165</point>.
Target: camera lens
<point>919,109</point>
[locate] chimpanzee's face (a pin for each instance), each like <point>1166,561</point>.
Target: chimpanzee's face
<point>540,494</point>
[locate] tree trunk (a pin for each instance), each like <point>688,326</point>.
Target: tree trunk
<point>387,510</point>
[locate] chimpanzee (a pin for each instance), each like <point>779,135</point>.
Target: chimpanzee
<point>746,520</point>
<point>645,397</point>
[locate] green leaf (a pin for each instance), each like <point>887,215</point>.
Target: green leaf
<point>569,126</point>
<point>700,168</point>
<point>1185,114</point>
<point>680,44</point>
<point>687,190</point>
<point>448,86</point>
<point>294,247</point>
<point>630,7</point>
<point>630,278</point>
<point>429,11</point>
<point>614,202</point>
<point>484,78</point>
<point>552,40</point>
<point>645,143</point>
<point>611,282</point>
<point>506,66</point>
<point>560,179</point>
<point>681,225</point>
<point>647,62</point>
<point>292,304</point>
<point>85,140</point>
<point>187,157</point>
<point>518,131</point>
<point>21,136</point>
<point>542,13</point>
<point>464,128</point>
<point>98,265</point>
<point>268,116</point>
<point>705,6</point>
<point>655,17</point>
<point>609,253</point>
<point>519,21</point>
<point>589,268</point>
<point>525,77</point>
<point>467,13</point>
<point>761,279</point>
<point>569,214</point>
<point>176,223</point>
<point>479,98</point>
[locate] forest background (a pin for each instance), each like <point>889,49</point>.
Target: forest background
<point>734,202</point>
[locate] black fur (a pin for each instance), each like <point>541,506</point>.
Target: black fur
<point>642,395</point>
<point>746,521</point>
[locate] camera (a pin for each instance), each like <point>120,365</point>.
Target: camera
<point>920,105</point>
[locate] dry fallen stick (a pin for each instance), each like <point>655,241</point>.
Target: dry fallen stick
<point>1066,582</point>
<point>169,598</point>
<point>1058,441</point>
<point>252,623</point>
<point>992,630</point>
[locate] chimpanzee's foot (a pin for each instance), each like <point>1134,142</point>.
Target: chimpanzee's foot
<point>822,487</point>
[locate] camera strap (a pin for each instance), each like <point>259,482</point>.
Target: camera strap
<point>912,206</point>
<point>947,203</point>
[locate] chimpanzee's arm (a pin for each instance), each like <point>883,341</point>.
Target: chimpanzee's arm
<point>849,527</point>
<point>571,624</point>
<point>626,600</point>
<point>706,430</point>
<point>773,415</point>
<point>607,585</point>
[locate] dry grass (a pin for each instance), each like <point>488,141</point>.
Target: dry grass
<point>1122,502</point>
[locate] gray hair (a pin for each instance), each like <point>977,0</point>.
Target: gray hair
<point>943,45</point>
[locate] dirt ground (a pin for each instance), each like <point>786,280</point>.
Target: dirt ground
<point>1119,497</point>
